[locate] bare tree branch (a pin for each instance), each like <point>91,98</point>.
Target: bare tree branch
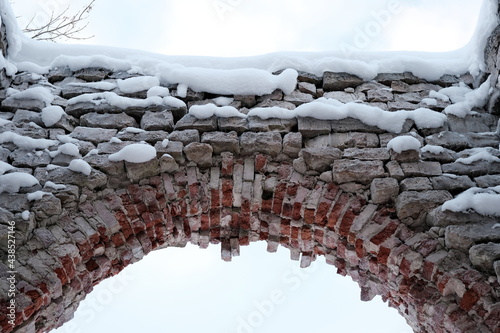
<point>61,25</point>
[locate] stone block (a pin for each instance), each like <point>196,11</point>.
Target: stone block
<point>191,122</point>
<point>358,171</point>
<point>452,183</point>
<point>406,156</point>
<point>421,169</point>
<point>395,170</point>
<point>25,117</point>
<point>487,181</point>
<point>282,126</point>
<point>157,121</point>
<point>237,124</point>
<point>353,140</point>
<point>139,171</point>
<point>168,164</point>
<point>308,88</point>
<point>92,74</point>
<point>476,123</point>
<point>270,103</point>
<point>367,154</point>
<point>175,149</point>
<point>463,237</point>
<point>95,180</point>
<point>310,78</point>
<point>94,135</point>
<point>353,125</point>
<point>416,184</point>
<point>27,158</point>
<point>113,121</point>
<point>186,136</point>
<point>221,141</point>
<point>380,95</point>
<point>200,153</point>
<point>406,77</point>
<point>383,190</point>
<point>412,203</point>
<point>298,97</point>
<point>449,140</point>
<point>346,97</point>
<point>269,143</point>
<point>475,169</point>
<point>12,104</point>
<point>340,81</point>
<point>483,256</point>
<point>292,144</point>
<point>320,159</point>
<point>400,105</point>
<point>310,127</point>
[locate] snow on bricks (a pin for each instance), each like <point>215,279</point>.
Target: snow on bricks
<point>99,168</point>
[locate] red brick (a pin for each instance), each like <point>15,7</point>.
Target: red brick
<point>297,208</point>
<point>309,216</point>
<point>295,233</point>
<point>306,233</point>
<point>469,299</point>
<point>387,232</point>
<point>260,163</point>
<point>287,210</point>
<point>284,171</point>
<point>336,211</point>
<point>332,191</point>
<point>319,235</point>
<point>291,189</point>
<point>383,255</point>
<point>286,228</point>
<point>227,166</point>
<point>346,223</point>
<point>227,193</point>
<point>322,212</point>
<point>266,206</point>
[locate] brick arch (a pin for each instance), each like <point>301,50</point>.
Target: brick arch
<point>240,201</point>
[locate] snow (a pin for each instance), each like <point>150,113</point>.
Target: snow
<point>13,182</point>
<point>69,149</point>
<point>429,101</point>
<point>36,93</point>
<point>133,130</point>
<point>115,140</point>
<point>137,84</point>
<point>113,99</point>
<point>4,122</point>
<point>25,215</point>
<point>80,166</point>
<point>404,143</point>
<point>4,167</point>
<point>468,99</point>
<point>55,186</point>
<point>134,153</point>
<point>26,142</point>
<point>164,143</point>
<point>455,94</point>
<point>95,85</point>
<point>479,154</point>
<point>51,115</point>
<point>37,195</point>
<point>158,91</point>
<point>209,110</point>
<point>223,101</point>
<point>432,149</point>
<point>174,102</point>
<point>438,95</point>
<point>483,201</point>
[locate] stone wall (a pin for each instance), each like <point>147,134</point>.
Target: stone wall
<point>319,188</point>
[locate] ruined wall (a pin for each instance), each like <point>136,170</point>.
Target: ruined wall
<point>318,187</point>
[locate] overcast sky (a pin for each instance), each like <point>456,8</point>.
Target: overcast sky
<point>192,290</point>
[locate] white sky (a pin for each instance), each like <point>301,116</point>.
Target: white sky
<point>191,290</point>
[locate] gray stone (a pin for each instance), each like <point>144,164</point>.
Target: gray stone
<point>297,98</point>
<point>412,97</point>
<point>353,125</point>
<point>12,104</point>
<point>483,256</point>
<point>383,190</point>
<point>310,78</point>
<point>367,154</point>
<point>168,164</point>
<point>443,218</point>
<point>138,171</point>
<point>406,156</point>
<point>400,87</point>
<point>412,203</point>
<point>363,88</point>
<point>191,122</point>
<point>452,183</point>
<point>320,159</point>
<point>186,136</point>
<point>447,80</point>
<point>340,81</point>
<point>282,126</point>
<point>61,175</point>
<point>426,87</point>
<point>276,95</point>
<point>400,105</point>
<point>299,165</point>
<point>110,121</point>
<point>200,153</point>
<point>237,124</point>
<point>380,95</point>
<point>344,97</point>
<point>416,184</point>
<point>246,101</point>
<point>27,158</point>
<point>57,74</point>
<point>15,203</point>
<point>364,172</point>
<point>175,149</point>
<point>406,77</point>
<point>150,137</point>
<point>269,143</point>
<point>462,237</point>
<point>25,117</point>
<point>475,169</point>
<point>421,169</point>
<point>46,207</point>
<point>4,154</point>
<point>489,139</point>
<point>449,140</point>
<point>395,170</point>
<point>310,127</point>
<point>445,156</point>
<point>94,135</point>
<point>157,121</point>
<point>69,91</point>
<point>292,144</point>
<point>221,141</point>
<point>270,103</point>
<point>79,109</point>
<point>112,147</point>
<point>92,74</point>
<point>487,181</point>
<point>308,88</point>
<point>476,122</point>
